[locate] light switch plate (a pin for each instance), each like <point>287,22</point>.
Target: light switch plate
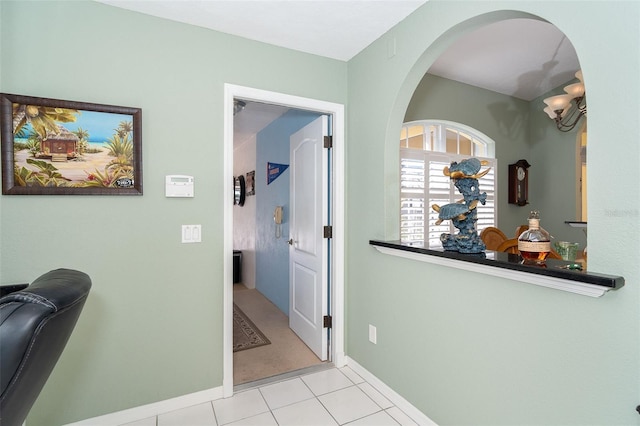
<point>191,233</point>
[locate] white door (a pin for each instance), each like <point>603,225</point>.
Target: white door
<point>308,250</point>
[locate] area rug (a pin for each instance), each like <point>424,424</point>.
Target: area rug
<point>245,333</point>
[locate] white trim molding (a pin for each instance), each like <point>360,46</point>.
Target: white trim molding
<point>158,408</point>
<point>153,409</point>
<point>416,415</point>
<point>232,91</point>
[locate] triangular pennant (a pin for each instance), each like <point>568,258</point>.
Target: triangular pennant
<point>274,170</point>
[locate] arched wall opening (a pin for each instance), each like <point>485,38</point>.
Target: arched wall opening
<point>403,100</point>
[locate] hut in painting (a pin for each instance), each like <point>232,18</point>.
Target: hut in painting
<point>60,146</point>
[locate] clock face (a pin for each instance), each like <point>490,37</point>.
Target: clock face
<point>520,173</point>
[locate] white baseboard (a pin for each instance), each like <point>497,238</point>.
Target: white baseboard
<point>153,409</point>
<point>404,405</point>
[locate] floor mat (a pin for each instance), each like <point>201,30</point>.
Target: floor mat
<point>245,333</point>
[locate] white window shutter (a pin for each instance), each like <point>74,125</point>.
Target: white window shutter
<point>423,183</point>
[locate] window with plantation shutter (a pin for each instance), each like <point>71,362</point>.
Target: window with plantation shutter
<point>426,148</point>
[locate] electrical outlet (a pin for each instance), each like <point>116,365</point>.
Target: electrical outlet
<point>373,334</point>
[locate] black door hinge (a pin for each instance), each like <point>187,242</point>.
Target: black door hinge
<point>328,231</point>
<point>328,141</point>
<point>327,321</point>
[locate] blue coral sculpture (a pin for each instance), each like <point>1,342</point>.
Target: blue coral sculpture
<point>462,214</point>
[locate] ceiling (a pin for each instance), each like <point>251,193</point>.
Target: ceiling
<point>337,29</point>
<point>254,117</point>
<point>524,58</point>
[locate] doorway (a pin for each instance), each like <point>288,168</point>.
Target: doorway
<point>336,299</point>
<point>272,333</point>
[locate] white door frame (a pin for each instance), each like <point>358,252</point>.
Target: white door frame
<point>338,215</point>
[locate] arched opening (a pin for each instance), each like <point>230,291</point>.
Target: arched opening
<point>516,121</point>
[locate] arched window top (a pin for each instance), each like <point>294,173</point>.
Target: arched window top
<point>446,136</point>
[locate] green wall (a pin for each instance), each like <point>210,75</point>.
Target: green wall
<point>462,347</point>
<point>471,349</point>
<point>553,183</point>
<point>152,327</point>
<point>520,129</point>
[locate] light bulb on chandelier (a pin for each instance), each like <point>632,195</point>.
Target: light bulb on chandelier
<point>566,110</point>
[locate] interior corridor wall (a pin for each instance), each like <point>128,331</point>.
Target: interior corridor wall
<point>244,217</point>
<point>152,327</point>
<point>467,348</point>
<point>272,249</point>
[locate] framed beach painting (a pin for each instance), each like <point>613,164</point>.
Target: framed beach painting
<point>56,147</point>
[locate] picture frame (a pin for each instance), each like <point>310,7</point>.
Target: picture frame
<point>60,147</point>
<point>251,183</point>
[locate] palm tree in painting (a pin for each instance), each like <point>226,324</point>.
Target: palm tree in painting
<point>33,142</point>
<point>124,128</point>
<point>43,119</point>
<point>83,137</point>
<point>21,133</point>
<point>81,133</point>
<point>121,147</point>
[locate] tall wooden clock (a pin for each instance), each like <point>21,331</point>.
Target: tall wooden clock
<point>519,182</point>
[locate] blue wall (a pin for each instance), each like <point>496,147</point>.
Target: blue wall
<point>272,254</point>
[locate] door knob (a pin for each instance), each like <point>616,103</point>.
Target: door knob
<point>291,241</point>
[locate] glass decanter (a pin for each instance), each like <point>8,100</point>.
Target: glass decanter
<point>534,244</point>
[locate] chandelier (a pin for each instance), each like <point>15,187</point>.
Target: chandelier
<point>566,110</point>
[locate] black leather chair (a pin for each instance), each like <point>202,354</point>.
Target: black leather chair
<point>35,324</point>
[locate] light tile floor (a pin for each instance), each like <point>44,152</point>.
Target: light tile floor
<point>328,397</point>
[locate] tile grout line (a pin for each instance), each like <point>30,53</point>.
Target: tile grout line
<point>352,384</point>
<point>215,416</point>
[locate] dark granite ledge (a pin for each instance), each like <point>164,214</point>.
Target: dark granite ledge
<point>554,268</point>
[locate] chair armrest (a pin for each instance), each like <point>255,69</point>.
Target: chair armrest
<point>10,288</point>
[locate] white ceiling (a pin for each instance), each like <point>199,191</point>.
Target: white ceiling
<point>522,57</point>
<point>254,117</point>
<point>337,29</point>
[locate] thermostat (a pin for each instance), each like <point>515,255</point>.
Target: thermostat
<point>179,186</point>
